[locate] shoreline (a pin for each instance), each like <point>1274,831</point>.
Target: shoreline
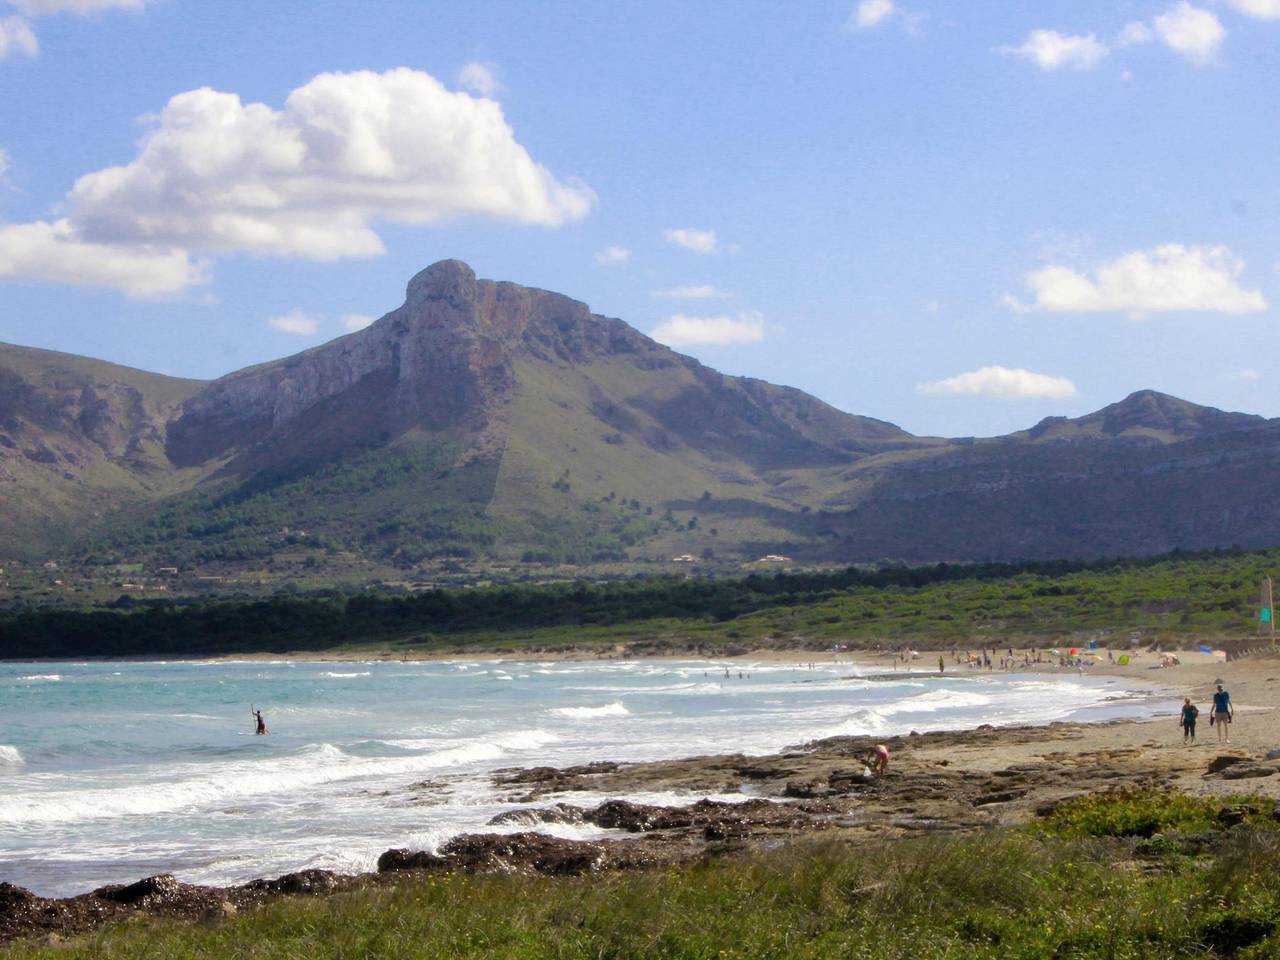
<point>940,781</point>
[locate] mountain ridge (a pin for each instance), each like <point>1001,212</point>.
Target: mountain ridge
<point>486,419</point>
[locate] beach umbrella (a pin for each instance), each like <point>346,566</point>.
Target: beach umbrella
<point>1075,651</point>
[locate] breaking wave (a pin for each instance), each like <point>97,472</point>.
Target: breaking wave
<point>615,709</point>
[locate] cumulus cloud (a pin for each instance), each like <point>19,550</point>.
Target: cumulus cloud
<point>1261,9</point>
<point>611,255</point>
<point>870,13</point>
<point>701,291</point>
<point>1050,50</point>
<point>53,252</point>
<point>481,78</point>
<point>1194,33</point>
<point>39,8</point>
<point>311,180</point>
<point>1248,375</point>
<point>1166,279</point>
<point>295,322</point>
<point>16,36</point>
<point>681,330</point>
<point>698,241</point>
<point>351,322</point>
<point>1001,382</point>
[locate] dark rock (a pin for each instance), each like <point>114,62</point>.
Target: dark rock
<point>152,891</point>
<point>634,817</point>
<point>589,769</point>
<point>806,789</point>
<point>1230,816</point>
<point>401,859</point>
<point>304,881</point>
<point>1218,764</point>
<point>1245,771</point>
<point>535,851</point>
<point>557,813</point>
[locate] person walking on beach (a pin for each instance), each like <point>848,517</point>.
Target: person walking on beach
<point>262,724</point>
<point>1188,720</point>
<point>1221,713</point>
<point>942,665</point>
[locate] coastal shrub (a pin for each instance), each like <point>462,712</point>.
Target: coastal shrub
<point>1144,813</point>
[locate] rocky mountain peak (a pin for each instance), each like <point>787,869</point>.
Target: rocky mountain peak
<point>1145,416</point>
<point>448,281</point>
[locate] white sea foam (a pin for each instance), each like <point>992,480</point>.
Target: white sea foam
<point>199,787</point>
<point>41,678</point>
<point>343,676</point>
<point>616,709</point>
<point>10,756</point>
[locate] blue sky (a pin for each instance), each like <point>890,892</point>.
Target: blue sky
<point>957,216</point>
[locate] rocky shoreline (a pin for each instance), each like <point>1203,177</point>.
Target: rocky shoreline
<point>943,781</point>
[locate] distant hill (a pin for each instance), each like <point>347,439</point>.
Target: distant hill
<point>494,421</point>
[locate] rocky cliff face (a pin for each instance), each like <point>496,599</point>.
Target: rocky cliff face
<point>443,359</point>
<point>67,413</point>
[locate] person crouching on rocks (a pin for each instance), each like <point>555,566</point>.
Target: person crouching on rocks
<point>879,761</point>
<point>1188,720</point>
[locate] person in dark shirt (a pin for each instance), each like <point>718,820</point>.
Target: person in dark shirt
<point>262,724</point>
<point>1221,713</point>
<point>1188,720</point>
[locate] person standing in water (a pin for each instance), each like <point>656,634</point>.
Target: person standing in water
<point>1221,713</point>
<point>262,724</point>
<point>1188,720</point>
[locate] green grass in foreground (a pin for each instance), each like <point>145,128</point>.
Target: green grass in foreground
<point>1002,894</point>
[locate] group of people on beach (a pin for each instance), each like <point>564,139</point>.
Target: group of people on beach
<point>1220,716</point>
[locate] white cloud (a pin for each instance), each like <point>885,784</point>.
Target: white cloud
<point>1050,50</point>
<point>295,322</point>
<point>39,8</point>
<point>611,255</point>
<point>310,180</point>
<point>481,78</point>
<point>16,37</point>
<point>351,322</point>
<point>698,241</point>
<point>870,13</point>
<point>680,330</point>
<point>313,179</point>
<point>701,291</point>
<point>1248,375</point>
<point>4,165</point>
<point>1195,33</point>
<point>1135,33</point>
<point>1166,279</point>
<point>1002,382</point>
<point>53,252</point>
<point>1262,9</point>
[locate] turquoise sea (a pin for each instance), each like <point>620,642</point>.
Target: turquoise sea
<point>114,771</point>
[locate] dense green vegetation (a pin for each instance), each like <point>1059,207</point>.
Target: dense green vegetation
<point>1005,893</point>
<point>943,605</point>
